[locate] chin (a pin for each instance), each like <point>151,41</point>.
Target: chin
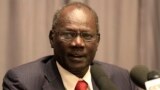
<point>78,67</point>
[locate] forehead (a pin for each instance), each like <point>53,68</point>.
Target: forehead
<point>81,16</point>
<point>77,15</point>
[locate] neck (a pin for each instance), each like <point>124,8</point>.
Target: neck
<point>80,73</point>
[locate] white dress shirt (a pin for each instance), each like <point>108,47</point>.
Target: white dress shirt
<point>70,80</point>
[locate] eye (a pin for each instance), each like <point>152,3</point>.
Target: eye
<point>67,35</point>
<point>87,36</point>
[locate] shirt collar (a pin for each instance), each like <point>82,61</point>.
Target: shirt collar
<point>70,80</point>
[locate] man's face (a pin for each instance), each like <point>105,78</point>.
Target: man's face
<point>72,42</point>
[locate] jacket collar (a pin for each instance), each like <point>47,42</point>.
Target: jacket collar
<point>53,79</point>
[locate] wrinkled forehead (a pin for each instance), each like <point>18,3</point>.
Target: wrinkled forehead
<point>77,15</point>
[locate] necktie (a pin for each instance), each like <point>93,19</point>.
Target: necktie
<point>81,85</point>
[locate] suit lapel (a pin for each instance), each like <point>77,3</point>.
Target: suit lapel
<point>94,85</point>
<point>53,80</point>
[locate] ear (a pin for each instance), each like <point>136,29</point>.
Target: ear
<point>98,38</point>
<point>51,36</point>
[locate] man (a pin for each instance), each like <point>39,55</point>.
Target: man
<point>74,38</point>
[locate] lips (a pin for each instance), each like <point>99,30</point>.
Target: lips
<point>77,54</point>
<point>77,57</point>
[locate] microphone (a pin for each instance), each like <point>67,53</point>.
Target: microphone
<point>153,82</point>
<point>139,75</point>
<point>153,75</point>
<point>144,78</point>
<point>101,79</point>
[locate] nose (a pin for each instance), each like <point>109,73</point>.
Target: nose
<point>78,41</point>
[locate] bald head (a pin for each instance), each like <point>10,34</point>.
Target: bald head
<point>79,12</point>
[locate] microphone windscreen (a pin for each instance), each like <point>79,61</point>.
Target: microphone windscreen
<point>101,79</point>
<point>153,75</point>
<point>139,75</point>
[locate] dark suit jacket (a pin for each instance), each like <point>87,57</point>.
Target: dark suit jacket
<point>43,74</point>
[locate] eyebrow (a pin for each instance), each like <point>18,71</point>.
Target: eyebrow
<point>73,29</point>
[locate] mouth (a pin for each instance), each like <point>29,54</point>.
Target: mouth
<point>77,57</point>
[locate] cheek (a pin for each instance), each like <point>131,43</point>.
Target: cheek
<point>60,47</point>
<point>92,48</point>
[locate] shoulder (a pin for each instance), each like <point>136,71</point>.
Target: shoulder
<point>117,75</point>
<point>35,66</point>
<point>110,68</point>
<point>26,74</point>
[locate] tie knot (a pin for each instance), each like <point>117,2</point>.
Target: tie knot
<point>81,85</point>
